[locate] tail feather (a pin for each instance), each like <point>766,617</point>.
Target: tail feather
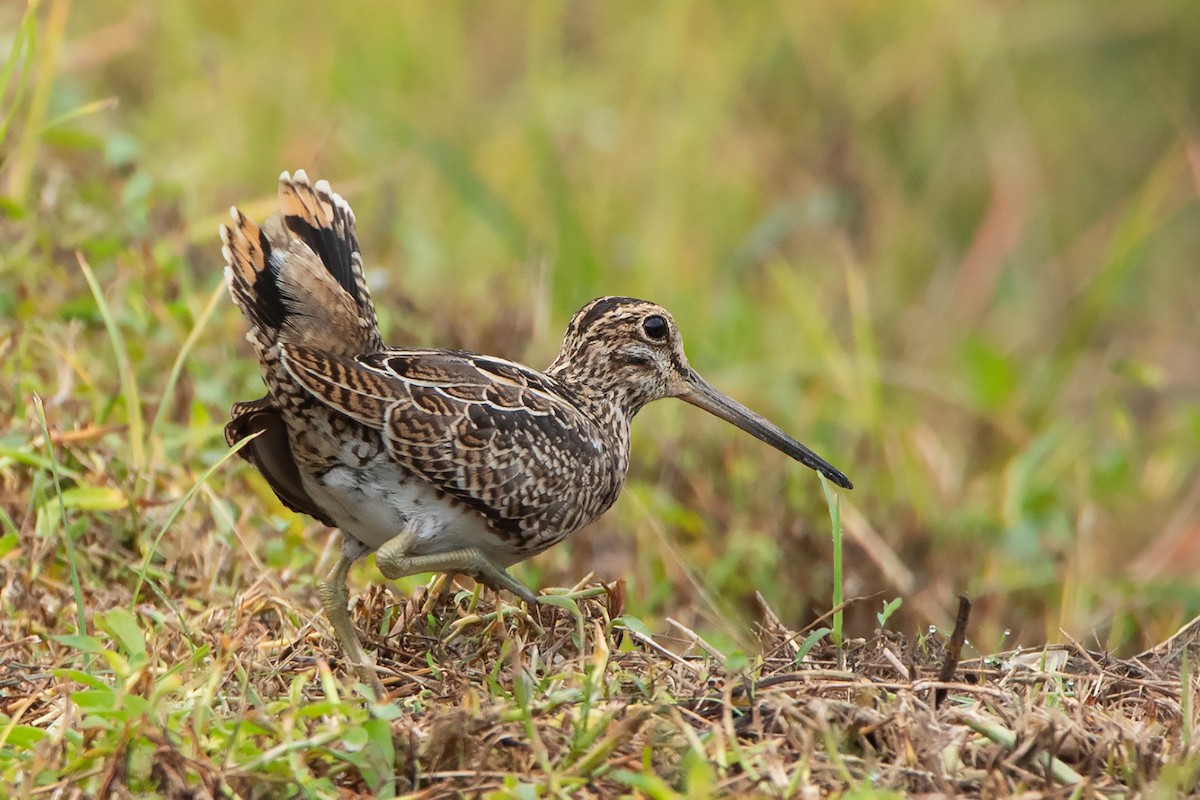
<point>324,221</point>
<point>253,285</point>
<point>302,281</point>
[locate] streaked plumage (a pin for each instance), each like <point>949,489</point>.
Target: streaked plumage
<point>440,460</point>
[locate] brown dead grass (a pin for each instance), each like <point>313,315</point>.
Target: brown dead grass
<point>583,704</point>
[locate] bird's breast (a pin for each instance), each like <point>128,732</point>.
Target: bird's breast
<point>376,503</point>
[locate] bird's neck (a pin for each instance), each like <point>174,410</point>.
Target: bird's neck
<point>605,393</point>
<point>611,406</point>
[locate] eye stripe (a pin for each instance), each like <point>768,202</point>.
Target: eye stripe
<point>633,360</point>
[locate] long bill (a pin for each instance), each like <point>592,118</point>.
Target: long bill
<point>714,402</point>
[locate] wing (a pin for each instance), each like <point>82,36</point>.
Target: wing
<point>271,454</point>
<point>501,438</point>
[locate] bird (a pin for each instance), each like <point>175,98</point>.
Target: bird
<point>437,460</point>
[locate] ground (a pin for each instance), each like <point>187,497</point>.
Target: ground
<point>242,699</point>
<point>951,246</point>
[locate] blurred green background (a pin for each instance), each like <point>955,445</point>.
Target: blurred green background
<point>951,245</point>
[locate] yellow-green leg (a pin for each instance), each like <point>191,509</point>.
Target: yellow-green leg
<point>395,561</point>
<point>334,598</point>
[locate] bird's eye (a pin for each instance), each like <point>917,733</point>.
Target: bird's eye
<point>655,327</point>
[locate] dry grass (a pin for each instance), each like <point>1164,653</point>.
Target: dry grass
<point>575,699</point>
<point>950,245</point>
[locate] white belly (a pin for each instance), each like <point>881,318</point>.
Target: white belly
<point>379,502</point>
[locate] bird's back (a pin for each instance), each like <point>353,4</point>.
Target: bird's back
<point>459,446</point>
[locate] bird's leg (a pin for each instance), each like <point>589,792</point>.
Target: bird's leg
<point>395,561</point>
<point>334,598</point>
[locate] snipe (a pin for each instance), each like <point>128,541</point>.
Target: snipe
<point>438,460</point>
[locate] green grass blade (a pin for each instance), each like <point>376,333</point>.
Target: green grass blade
<point>72,559</point>
<point>834,501</point>
<point>21,53</point>
<point>43,63</point>
<point>175,510</point>
<point>129,388</point>
<point>177,366</point>
<point>94,107</point>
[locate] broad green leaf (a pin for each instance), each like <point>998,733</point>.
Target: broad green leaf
<point>386,711</point>
<point>23,737</point>
<point>355,738</point>
<point>122,626</point>
<point>80,641</point>
<point>560,601</point>
<point>79,676</point>
<point>93,498</point>
<point>634,624</point>
<point>90,700</point>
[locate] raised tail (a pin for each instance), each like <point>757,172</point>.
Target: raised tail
<point>299,277</point>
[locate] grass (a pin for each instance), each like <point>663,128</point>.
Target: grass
<point>951,246</point>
